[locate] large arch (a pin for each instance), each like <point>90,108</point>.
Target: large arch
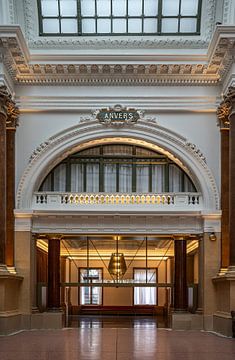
<point>146,133</point>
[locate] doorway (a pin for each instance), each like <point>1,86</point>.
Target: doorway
<point>93,295</point>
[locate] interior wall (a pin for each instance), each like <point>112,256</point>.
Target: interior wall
<point>38,123</point>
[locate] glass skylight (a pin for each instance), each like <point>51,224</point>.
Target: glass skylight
<point>119,17</point>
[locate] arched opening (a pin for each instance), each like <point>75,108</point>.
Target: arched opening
<point>134,216</point>
<point>117,168</point>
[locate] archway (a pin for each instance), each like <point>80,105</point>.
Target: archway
<point>144,133</point>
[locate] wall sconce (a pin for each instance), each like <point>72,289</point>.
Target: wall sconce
<point>212,236</point>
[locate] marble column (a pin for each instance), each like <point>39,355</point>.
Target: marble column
<point>223,122</point>
<point>9,114</point>
<point>180,278</point>
<point>200,274</point>
<point>53,291</point>
<point>12,122</point>
<point>231,99</point>
<point>3,118</point>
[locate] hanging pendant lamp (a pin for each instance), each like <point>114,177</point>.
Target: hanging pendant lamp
<point>117,263</point>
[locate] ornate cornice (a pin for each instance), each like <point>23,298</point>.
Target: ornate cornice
<point>117,70</point>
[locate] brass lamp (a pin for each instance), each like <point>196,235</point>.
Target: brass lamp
<point>117,263</point>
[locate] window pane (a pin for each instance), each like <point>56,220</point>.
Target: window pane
<point>103,26</point>
<point>88,26</point>
<point>125,178</point>
<point>77,172</point>
<point>92,173</point>
<point>169,25</point>
<point>119,8</point>
<point>69,26</point>
<point>46,186</point>
<point>119,25</point>
<point>150,25</point>
<point>68,8</point>
<point>175,179</point>
<point>189,7</point>
<point>87,7</point>
<point>142,178</point>
<point>158,178</point>
<point>60,178</point>
<point>134,25</point>
<point>188,25</point>
<point>170,7</point>
<point>110,178</point>
<point>188,185</point>
<point>135,7</point>
<point>50,8</point>
<point>90,295</point>
<point>150,7</point>
<point>50,26</point>
<point>103,8</point>
<point>145,295</point>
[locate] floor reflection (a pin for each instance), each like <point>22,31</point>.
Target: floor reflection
<point>117,321</point>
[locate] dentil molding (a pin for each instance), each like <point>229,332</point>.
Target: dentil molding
<point>64,70</point>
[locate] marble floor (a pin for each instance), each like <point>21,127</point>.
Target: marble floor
<point>116,344</point>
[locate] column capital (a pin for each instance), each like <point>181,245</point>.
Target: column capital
<point>4,97</point>
<point>12,115</point>
<point>8,108</point>
<point>226,109</point>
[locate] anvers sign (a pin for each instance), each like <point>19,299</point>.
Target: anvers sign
<point>118,116</point>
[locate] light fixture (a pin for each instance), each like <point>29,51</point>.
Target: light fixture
<point>117,263</point>
<point>212,236</point>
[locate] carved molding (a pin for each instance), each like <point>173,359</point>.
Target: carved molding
<point>84,223</point>
<point>196,151</point>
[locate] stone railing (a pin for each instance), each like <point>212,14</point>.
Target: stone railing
<point>52,200</point>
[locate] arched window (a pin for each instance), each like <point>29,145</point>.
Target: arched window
<point>119,17</point>
<point>117,168</point>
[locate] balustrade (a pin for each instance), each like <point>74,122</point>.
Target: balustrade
<point>66,200</point>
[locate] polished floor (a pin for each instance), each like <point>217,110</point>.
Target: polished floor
<point>118,321</point>
<point>116,344</point>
